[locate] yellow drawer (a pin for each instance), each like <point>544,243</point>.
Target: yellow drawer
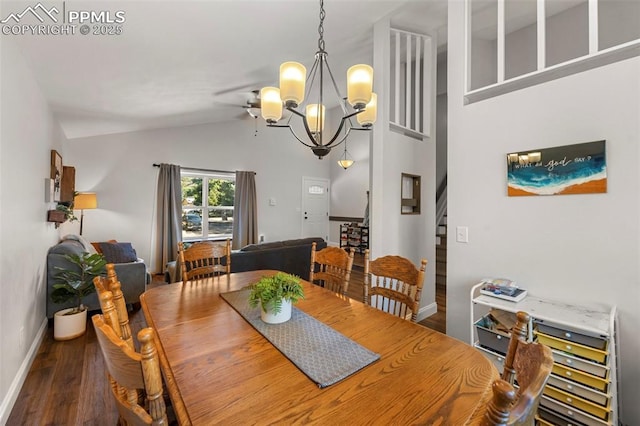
<point>542,422</point>
<point>573,348</point>
<point>577,402</point>
<point>581,377</point>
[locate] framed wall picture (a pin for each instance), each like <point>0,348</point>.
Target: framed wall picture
<point>569,169</point>
<point>56,173</point>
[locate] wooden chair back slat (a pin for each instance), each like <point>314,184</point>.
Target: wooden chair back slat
<point>204,259</point>
<point>331,268</point>
<point>394,285</point>
<point>530,364</point>
<point>133,371</point>
<point>113,285</point>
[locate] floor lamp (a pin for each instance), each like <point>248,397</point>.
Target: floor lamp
<point>82,201</point>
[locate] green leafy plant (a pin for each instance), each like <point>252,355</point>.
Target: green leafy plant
<point>77,282</point>
<point>67,209</point>
<point>269,291</point>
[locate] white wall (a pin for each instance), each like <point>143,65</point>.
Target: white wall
<point>410,236</point>
<point>27,135</point>
<point>119,169</point>
<point>580,249</point>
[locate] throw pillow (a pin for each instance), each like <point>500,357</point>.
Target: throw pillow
<point>118,252</point>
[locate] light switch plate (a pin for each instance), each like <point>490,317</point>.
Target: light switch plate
<point>462,234</point>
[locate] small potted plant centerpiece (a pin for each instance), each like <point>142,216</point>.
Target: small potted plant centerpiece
<point>72,284</point>
<point>275,294</point>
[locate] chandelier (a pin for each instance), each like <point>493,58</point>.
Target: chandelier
<point>291,94</point>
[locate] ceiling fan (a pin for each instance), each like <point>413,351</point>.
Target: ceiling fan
<point>253,105</point>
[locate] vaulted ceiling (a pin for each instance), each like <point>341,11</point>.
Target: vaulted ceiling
<point>188,62</point>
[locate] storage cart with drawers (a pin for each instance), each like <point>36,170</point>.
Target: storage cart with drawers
<point>582,389</point>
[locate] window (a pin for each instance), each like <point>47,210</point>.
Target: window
<point>207,205</point>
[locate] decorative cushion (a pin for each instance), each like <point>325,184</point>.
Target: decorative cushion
<point>118,252</point>
<point>96,246</point>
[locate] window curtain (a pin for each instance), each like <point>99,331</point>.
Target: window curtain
<point>245,210</point>
<point>169,215</point>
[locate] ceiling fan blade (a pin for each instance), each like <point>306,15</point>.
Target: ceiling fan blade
<point>246,88</point>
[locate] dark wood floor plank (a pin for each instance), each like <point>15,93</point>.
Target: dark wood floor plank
<point>96,403</point>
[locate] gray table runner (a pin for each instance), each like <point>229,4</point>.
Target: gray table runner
<point>320,352</point>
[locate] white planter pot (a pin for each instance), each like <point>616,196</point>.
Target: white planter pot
<point>67,327</point>
<point>283,316</point>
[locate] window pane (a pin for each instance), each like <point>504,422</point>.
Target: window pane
<point>566,17</point>
<point>191,191</point>
<point>191,223</point>
<point>220,201</point>
<point>618,22</point>
<point>521,37</point>
<point>220,221</point>
<point>484,48</point>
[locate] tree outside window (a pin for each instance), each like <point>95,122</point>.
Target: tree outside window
<point>207,206</point>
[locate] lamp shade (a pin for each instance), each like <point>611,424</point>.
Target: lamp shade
<point>367,117</point>
<point>85,200</point>
<point>271,104</point>
<point>292,82</point>
<point>315,117</point>
<point>359,85</point>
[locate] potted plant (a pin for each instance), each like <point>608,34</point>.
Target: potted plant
<point>275,294</point>
<point>73,284</point>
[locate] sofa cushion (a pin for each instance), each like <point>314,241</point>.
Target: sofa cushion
<point>118,252</point>
<point>303,241</point>
<point>263,246</point>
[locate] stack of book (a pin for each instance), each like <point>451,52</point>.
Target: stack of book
<point>503,289</point>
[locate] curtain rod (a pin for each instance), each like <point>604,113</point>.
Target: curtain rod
<point>201,170</point>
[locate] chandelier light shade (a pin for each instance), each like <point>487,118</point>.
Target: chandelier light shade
<point>292,82</point>
<point>271,104</point>
<point>315,117</point>
<point>298,86</point>
<point>367,117</point>
<point>359,85</point>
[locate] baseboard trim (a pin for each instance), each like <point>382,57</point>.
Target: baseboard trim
<point>427,311</point>
<point>16,385</point>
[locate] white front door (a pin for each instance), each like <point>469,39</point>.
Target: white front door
<point>315,207</point>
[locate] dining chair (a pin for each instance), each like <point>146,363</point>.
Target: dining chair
<point>331,268</point>
<point>204,259</point>
<point>132,372</point>
<point>115,302</point>
<point>527,363</point>
<point>394,285</point>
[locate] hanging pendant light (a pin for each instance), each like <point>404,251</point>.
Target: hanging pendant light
<point>346,160</point>
<point>360,101</point>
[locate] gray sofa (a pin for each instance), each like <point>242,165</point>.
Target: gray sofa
<point>292,256</point>
<point>133,276</point>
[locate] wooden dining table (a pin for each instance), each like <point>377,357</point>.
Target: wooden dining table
<point>218,369</point>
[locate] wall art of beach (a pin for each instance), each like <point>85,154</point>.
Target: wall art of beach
<point>571,169</point>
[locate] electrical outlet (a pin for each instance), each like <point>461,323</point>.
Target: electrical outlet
<point>462,234</point>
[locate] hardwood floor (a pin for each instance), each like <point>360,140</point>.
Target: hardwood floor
<point>67,384</point>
